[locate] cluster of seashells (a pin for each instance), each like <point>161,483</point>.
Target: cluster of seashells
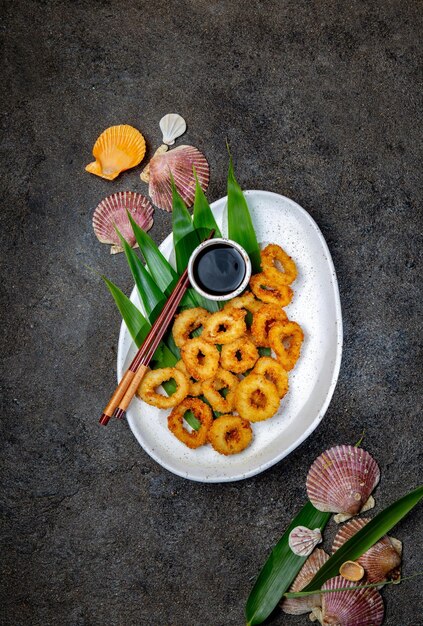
<point>122,147</point>
<point>341,481</point>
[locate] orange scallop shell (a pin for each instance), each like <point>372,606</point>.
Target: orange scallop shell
<point>117,149</point>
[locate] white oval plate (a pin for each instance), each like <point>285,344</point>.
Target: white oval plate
<point>315,306</point>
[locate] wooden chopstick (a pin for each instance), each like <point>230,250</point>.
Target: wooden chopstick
<point>146,358</point>
<point>128,385</point>
<point>154,332</point>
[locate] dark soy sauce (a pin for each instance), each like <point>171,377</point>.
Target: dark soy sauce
<point>219,269</point>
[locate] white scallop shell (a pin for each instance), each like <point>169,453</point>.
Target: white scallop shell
<point>358,607</point>
<point>298,606</point>
<point>342,479</point>
<point>172,126</point>
<point>178,163</point>
<point>112,212</point>
<point>382,561</point>
<point>303,540</point>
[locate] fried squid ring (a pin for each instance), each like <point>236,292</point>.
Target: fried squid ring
<point>263,321</point>
<point>211,388</point>
<point>201,411</point>
<point>230,434</point>
<point>273,371</point>
<point>273,257</point>
<point>201,358</point>
<point>154,378</point>
<point>239,356</point>
<point>256,398</point>
<point>186,322</point>
<point>247,301</point>
<point>194,385</point>
<point>286,339</point>
<point>270,291</point>
<point>225,326</point>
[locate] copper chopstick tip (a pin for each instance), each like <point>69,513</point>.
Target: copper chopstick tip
<point>104,419</point>
<point>119,413</point>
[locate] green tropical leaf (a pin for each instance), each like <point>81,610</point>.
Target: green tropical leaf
<point>281,568</point>
<point>240,225</point>
<point>185,236</point>
<point>203,217</point>
<point>136,323</point>
<point>150,294</point>
<point>365,538</point>
<point>160,269</point>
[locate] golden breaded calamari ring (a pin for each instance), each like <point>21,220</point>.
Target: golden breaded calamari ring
<point>211,388</point>
<point>274,253</point>
<point>256,398</point>
<point>239,356</point>
<point>194,385</point>
<point>186,322</point>
<point>225,326</point>
<point>273,371</point>
<point>230,434</point>
<point>201,358</point>
<point>286,339</point>
<point>154,378</point>
<point>270,291</point>
<point>201,411</point>
<point>247,301</point>
<point>263,320</point>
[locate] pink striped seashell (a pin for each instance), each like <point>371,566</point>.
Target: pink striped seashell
<point>298,606</point>
<point>179,162</point>
<point>111,212</point>
<point>342,479</point>
<point>302,540</point>
<point>358,607</point>
<point>382,561</point>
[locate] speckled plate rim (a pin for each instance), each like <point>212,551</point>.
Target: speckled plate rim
<point>219,206</point>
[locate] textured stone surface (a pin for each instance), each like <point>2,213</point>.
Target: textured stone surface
<point>321,102</point>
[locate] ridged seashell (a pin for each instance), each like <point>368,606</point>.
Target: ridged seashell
<point>358,607</point>
<point>298,606</point>
<point>342,479</point>
<point>351,570</point>
<point>117,149</point>
<point>382,561</point>
<point>172,126</point>
<point>303,540</point>
<point>178,162</point>
<point>111,212</point>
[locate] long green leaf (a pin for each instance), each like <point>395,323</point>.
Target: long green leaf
<point>151,296</point>
<point>163,273</point>
<point>160,269</point>
<point>366,537</point>
<point>185,237</point>
<point>136,323</point>
<point>138,327</point>
<point>185,240</point>
<point>280,568</point>
<point>202,216</point>
<point>240,225</point>
<point>302,594</point>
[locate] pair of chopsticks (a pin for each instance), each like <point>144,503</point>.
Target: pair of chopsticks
<point>127,387</point>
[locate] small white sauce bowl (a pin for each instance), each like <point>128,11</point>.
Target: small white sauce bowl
<point>213,242</point>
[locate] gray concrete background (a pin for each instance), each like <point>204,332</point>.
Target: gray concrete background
<point>321,102</point>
